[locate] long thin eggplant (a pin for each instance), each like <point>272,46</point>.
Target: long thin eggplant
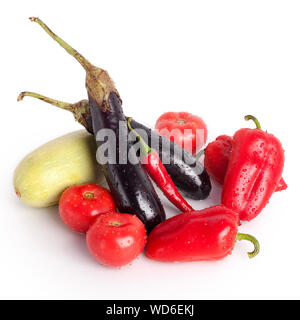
<point>186,172</point>
<point>130,186</point>
<point>129,183</point>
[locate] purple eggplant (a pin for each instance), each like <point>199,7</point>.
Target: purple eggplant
<point>187,173</point>
<point>130,185</point>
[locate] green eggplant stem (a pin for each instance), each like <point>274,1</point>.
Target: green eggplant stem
<point>80,109</point>
<point>59,104</point>
<point>244,236</point>
<point>84,62</point>
<point>249,117</point>
<point>146,149</point>
<point>200,154</point>
<point>99,85</point>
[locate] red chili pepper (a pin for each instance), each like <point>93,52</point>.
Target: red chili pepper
<point>156,170</point>
<point>217,154</point>
<point>254,170</point>
<point>209,234</point>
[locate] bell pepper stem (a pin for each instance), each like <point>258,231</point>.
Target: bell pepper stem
<point>244,236</point>
<point>249,117</point>
<point>146,149</point>
<point>59,104</point>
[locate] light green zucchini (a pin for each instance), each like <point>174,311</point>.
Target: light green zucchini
<point>45,173</point>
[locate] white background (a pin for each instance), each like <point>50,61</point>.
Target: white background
<point>217,59</point>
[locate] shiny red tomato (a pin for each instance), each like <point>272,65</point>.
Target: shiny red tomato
<point>116,239</point>
<point>79,205</point>
<point>185,129</point>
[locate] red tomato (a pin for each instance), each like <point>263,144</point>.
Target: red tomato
<point>185,129</point>
<point>115,239</point>
<point>79,205</point>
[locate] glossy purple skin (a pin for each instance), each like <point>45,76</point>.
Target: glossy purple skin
<point>187,173</point>
<point>129,184</point>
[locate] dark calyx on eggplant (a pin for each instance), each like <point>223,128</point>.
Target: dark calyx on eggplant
<point>130,185</point>
<point>187,173</point>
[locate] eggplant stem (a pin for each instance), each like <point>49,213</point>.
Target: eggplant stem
<point>80,109</point>
<point>200,154</point>
<point>57,103</point>
<point>98,82</point>
<point>83,61</point>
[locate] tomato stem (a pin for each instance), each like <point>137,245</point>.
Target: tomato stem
<point>249,117</point>
<point>146,149</point>
<point>89,195</point>
<point>244,236</point>
<point>181,121</point>
<point>116,223</point>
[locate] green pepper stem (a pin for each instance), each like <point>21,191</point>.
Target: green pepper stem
<point>59,104</point>
<point>146,149</point>
<point>244,236</point>
<point>249,117</point>
<point>83,61</point>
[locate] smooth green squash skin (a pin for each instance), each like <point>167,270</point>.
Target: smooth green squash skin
<point>42,176</point>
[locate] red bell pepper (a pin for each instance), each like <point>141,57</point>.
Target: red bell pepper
<point>216,157</point>
<point>209,234</point>
<point>217,154</point>
<point>254,170</point>
<point>158,173</point>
